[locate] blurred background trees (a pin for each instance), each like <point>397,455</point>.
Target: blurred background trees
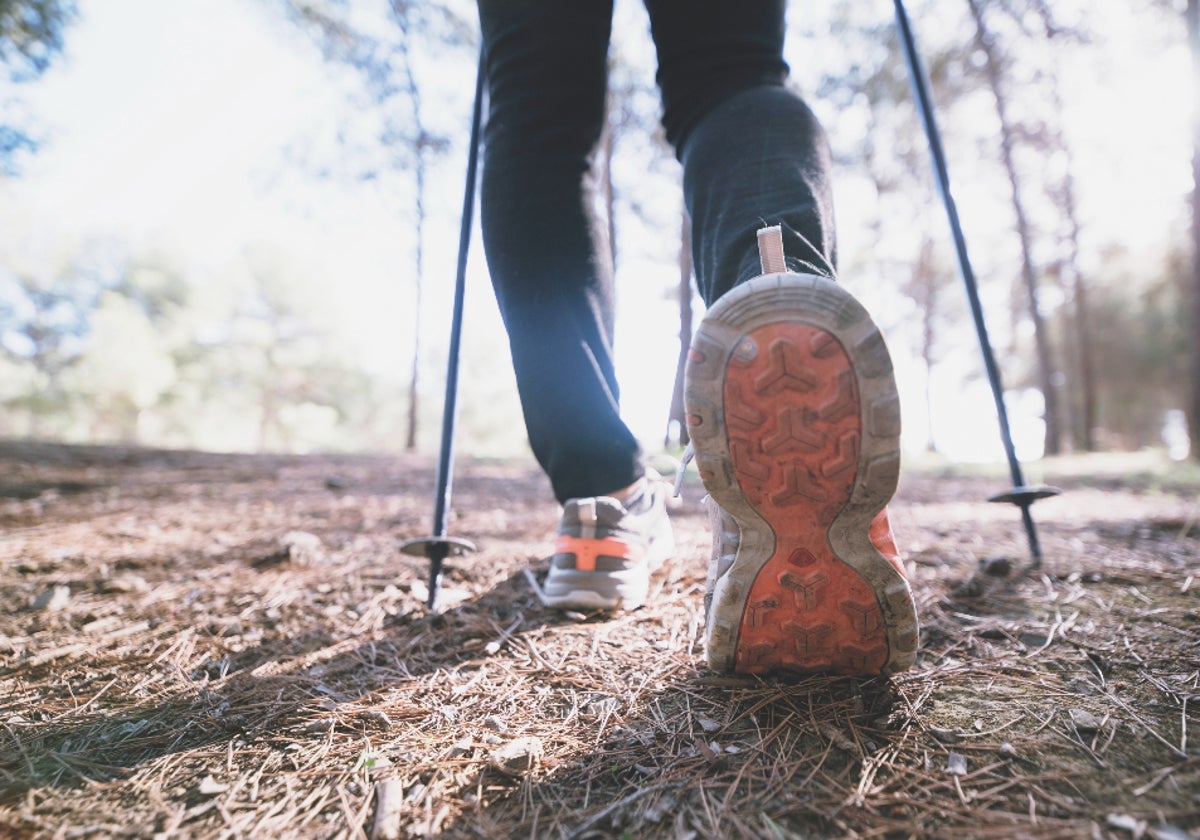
<point>31,35</point>
<point>270,340</point>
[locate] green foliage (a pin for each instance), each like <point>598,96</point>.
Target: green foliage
<point>141,352</point>
<point>44,317</point>
<point>388,45</point>
<point>31,33</point>
<point>124,369</point>
<point>1042,53</point>
<point>258,352</point>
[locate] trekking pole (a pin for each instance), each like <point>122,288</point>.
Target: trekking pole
<point>440,546</point>
<point>1020,495</point>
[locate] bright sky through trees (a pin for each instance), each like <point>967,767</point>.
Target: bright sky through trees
<point>195,126</point>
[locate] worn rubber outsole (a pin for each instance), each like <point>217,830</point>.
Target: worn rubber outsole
<point>795,419</point>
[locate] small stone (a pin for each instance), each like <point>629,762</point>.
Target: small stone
<point>211,787</point>
<point>302,548</point>
<point>379,719</point>
<point>1125,822</point>
<point>1084,721</point>
<point>319,727</point>
<point>997,566</point>
<point>956,764</point>
<point>708,724</point>
<point>946,736</point>
<point>495,724</point>
<point>54,599</point>
<point>517,757</point>
<point>125,584</point>
<point>461,748</point>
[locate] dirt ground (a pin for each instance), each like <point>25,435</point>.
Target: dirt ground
<point>227,646</point>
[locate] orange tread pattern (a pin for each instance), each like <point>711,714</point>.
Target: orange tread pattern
<point>794,429</point>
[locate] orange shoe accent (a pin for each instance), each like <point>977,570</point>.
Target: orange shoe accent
<point>586,550</point>
<point>885,541</point>
<point>794,431</point>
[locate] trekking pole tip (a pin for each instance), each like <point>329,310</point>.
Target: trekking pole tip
<point>1023,497</point>
<point>436,549</point>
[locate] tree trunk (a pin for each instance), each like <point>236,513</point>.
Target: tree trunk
<point>414,391</point>
<point>677,420</point>
<point>1086,417</point>
<point>607,193</point>
<point>1088,398</point>
<point>268,404</point>
<point>1193,29</point>
<point>925,284</point>
<point>419,147</point>
<point>1045,365</point>
<point>1081,356</point>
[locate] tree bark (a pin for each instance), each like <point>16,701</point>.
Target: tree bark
<point>419,167</point>
<point>1193,31</point>
<point>1085,344</point>
<point>925,285</point>
<point>607,191</point>
<point>1086,418</point>
<point>1045,364</point>
<point>414,390</point>
<point>677,419</point>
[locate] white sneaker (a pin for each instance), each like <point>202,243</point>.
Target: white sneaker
<point>606,550</point>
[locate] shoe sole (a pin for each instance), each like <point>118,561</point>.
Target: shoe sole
<point>586,591</point>
<point>795,419</point>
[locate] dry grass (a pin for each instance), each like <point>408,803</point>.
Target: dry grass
<point>230,646</point>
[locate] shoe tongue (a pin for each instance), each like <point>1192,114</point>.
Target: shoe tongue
<point>586,509</point>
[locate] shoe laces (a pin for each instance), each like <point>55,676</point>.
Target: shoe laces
<point>689,453</point>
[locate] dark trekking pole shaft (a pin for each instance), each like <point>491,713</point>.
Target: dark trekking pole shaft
<point>925,105</point>
<point>438,551</point>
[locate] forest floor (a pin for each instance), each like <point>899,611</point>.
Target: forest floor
<point>212,646</point>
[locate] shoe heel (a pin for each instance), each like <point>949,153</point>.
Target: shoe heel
<point>795,423</point>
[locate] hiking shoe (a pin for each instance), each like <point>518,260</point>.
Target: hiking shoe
<point>606,550</point>
<point>795,421</point>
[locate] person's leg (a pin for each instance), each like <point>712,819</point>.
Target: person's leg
<point>753,154</point>
<point>548,256</point>
<point>791,402</point>
<point>551,268</point>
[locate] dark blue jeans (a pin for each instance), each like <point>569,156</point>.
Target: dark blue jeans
<point>753,154</point>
